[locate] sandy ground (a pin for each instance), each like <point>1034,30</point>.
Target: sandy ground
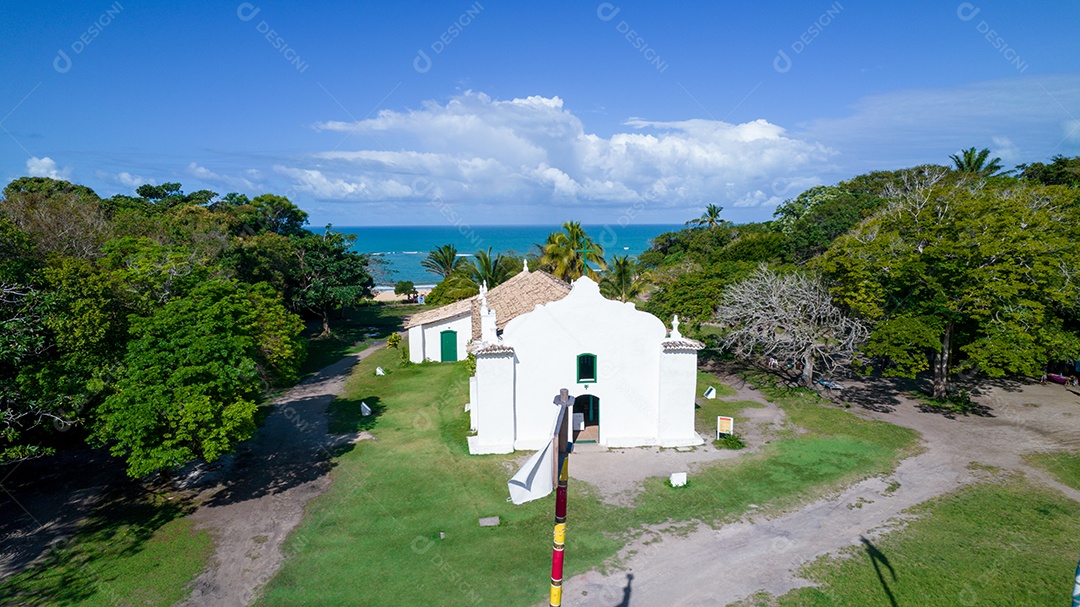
<point>252,502</point>
<point>716,567</point>
<point>390,297</point>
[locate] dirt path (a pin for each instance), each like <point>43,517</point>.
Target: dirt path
<point>716,567</point>
<point>258,497</point>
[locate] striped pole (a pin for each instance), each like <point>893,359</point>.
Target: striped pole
<point>559,540</point>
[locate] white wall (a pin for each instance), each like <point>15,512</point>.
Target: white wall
<point>493,409</point>
<point>416,344</point>
<point>432,343</point>
<point>678,381</point>
<point>626,343</point>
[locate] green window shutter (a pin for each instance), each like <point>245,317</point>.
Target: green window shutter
<point>586,368</point>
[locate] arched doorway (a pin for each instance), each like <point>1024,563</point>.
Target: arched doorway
<point>589,407</point>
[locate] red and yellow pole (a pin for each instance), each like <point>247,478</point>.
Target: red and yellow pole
<point>559,540</point>
<point>559,544</point>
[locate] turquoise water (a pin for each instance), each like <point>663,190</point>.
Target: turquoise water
<point>401,248</point>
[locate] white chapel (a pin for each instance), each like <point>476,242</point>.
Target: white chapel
<point>633,382</point>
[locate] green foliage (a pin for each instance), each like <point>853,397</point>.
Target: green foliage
<point>730,441</point>
<point>563,257</point>
<point>710,219</point>
<point>1061,171</point>
<point>984,266</point>
<point>621,281</point>
<point>754,247</point>
<point>394,340</point>
<point>470,364</point>
<point>330,275</point>
<point>405,287</point>
<point>76,272</point>
<point>695,295</point>
<point>466,280</point>
<point>443,261</point>
<point>976,162</point>
<point>192,375</point>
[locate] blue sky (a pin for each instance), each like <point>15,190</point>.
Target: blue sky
<point>527,112</point>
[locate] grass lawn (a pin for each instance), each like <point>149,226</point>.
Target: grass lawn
<point>129,552</point>
<point>1008,545</point>
<point>1065,467</point>
<point>354,333</point>
<point>375,536</point>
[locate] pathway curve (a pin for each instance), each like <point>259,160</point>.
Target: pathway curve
<point>716,567</point>
<point>263,490</point>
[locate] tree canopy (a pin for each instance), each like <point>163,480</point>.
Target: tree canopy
<point>977,275</point>
<point>154,322</point>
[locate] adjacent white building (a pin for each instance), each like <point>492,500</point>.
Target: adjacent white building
<point>633,382</point>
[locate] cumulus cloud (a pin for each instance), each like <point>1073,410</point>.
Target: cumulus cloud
<point>534,150</point>
<point>46,167</point>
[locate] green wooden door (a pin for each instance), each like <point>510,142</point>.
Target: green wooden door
<point>448,341</point>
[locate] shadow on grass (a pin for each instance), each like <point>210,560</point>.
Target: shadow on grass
<point>44,500</point>
<point>345,415</point>
<point>358,326</point>
<point>74,569</point>
<point>290,449</point>
<point>876,557</point>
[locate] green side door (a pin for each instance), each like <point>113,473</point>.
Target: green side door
<point>448,341</point>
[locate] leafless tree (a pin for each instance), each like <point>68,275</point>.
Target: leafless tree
<point>790,318</point>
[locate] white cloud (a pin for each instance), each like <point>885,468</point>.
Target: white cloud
<point>132,181</point>
<point>211,177</point>
<point>46,167</point>
<point>534,151</point>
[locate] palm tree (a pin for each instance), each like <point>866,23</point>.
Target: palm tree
<point>562,253</point>
<point>975,163</point>
<point>443,260</point>
<point>466,280</point>
<point>710,218</point>
<point>621,281</point>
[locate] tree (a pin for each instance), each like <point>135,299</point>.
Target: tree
<point>621,281</point>
<point>330,275</point>
<point>482,269</point>
<point>959,274</point>
<point>61,218</point>
<point>975,163</point>
<point>788,317</point>
<point>442,261</point>
<point>1060,171</point>
<point>710,218</point>
<point>406,288</point>
<point>193,373</point>
<point>562,253</point>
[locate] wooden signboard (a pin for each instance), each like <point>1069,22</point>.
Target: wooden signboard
<point>724,425</point>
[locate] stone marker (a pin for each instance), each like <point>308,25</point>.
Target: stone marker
<point>678,479</point>
<point>489,521</point>
<point>710,392</point>
<point>364,409</point>
<point>379,371</point>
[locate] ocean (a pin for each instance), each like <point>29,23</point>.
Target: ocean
<point>402,248</point>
